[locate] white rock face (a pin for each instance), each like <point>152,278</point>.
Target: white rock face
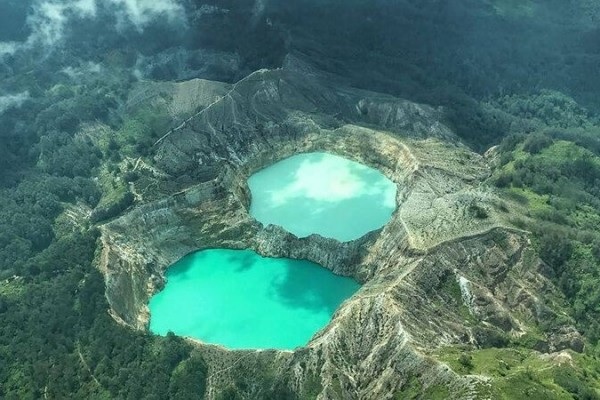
<point>465,292</point>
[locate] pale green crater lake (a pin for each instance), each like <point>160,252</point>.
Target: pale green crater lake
<point>324,194</point>
<point>240,300</point>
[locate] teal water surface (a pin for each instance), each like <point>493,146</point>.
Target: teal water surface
<point>240,300</point>
<point>324,194</point>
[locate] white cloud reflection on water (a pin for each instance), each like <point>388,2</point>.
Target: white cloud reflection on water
<point>332,179</point>
<point>323,194</point>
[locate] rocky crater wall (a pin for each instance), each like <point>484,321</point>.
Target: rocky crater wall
<point>446,269</point>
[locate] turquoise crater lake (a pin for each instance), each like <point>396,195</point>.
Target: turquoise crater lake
<point>240,300</point>
<point>324,194</point>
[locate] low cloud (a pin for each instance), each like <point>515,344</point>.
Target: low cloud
<point>142,12</point>
<point>49,19</point>
<point>12,101</point>
<point>258,10</point>
<point>8,48</point>
<point>82,70</point>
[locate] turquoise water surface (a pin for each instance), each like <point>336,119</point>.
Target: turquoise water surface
<point>322,193</point>
<point>241,300</point>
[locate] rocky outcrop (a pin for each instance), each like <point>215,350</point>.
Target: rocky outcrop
<point>445,270</point>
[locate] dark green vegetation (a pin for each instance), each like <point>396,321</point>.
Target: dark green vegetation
<point>524,74</point>
<point>552,178</point>
<point>555,176</point>
<point>520,373</point>
<point>57,340</point>
<point>478,59</point>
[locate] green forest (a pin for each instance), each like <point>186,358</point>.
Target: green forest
<point>520,76</point>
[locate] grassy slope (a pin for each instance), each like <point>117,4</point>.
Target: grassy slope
<point>519,373</point>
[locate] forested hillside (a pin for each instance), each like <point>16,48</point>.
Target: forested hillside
<point>522,76</point>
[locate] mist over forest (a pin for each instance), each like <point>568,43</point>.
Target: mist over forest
<point>476,59</point>
<point>520,77</point>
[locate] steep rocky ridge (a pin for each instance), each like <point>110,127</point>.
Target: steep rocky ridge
<point>447,269</point>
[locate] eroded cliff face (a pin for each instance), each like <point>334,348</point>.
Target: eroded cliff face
<point>446,269</point>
